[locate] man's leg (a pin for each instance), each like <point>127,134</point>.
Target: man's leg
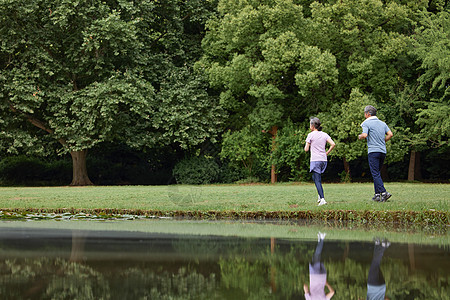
<point>318,182</point>
<point>376,285</point>
<point>375,274</point>
<point>376,160</point>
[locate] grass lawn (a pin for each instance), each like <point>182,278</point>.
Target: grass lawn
<point>277,197</point>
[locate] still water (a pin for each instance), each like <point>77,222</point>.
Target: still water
<point>156,259</point>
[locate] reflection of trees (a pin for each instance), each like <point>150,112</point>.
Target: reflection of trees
<point>139,283</point>
<point>349,277</point>
<point>55,278</point>
<point>252,278</point>
<point>49,278</point>
<point>245,270</point>
<point>77,281</point>
<point>197,247</point>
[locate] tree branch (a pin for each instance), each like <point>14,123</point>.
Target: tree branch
<point>36,122</point>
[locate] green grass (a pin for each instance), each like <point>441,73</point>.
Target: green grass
<point>279,197</point>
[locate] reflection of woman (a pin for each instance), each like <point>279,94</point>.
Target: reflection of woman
<point>318,275</point>
<point>376,286</point>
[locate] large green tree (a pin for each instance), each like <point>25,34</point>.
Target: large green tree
<point>283,59</point>
<point>261,58</point>
<point>83,72</point>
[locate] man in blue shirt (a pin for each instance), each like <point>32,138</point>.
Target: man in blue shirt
<point>377,134</point>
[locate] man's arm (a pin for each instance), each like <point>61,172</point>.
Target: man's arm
<point>305,289</point>
<point>307,146</point>
<point>362,136</point>
<point>389,135</point>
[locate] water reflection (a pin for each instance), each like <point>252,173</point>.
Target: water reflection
<point>318,275</point>
<point>376,285</point>
<point>63,264</point>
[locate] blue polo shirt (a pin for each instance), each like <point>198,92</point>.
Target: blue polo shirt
<point>376,131</point>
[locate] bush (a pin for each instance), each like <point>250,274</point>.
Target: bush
<point>34,171</point>
<point>196,170</point>
<point>229,173</point>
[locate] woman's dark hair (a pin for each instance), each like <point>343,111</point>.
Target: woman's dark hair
<point>316,123</point>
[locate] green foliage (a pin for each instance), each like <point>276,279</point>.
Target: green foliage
<point>256,54</point>
<point>246,147</point>
<point>196,170</point>
<point>230,173</point>
<point>432,47</point>
<point>20,170</point>
<point>86,72</point>
<point>290,153</point>
<point>343,124</point>
<point>70,77</point>
<point>185,114</point>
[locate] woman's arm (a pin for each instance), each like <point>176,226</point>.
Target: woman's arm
<point>332,145</point>
<point>307,146</point>
<point>331,293</point>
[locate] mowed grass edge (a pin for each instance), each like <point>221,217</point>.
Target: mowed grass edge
<point>421,201</point>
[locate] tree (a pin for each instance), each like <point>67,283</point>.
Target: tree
<point>257,55</point>
<point>84,72</point>
<point>432,47</point>
<point>65,69</point>
<point>421,105</point>
<point>245,147</point>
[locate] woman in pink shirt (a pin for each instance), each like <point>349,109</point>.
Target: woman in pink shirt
<point>316,141</point>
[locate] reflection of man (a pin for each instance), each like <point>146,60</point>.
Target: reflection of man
<point>376,286</point>
<point>318,275</point>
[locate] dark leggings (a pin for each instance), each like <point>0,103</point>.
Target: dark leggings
<point>375,276</point>
<point>318,181</point>
<point>318,252</point>
<point>316,265</point>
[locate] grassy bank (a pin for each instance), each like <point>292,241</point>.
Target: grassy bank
<point>411,202</point>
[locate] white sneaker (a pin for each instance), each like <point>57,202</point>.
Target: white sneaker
<point>321,236</point>
<point>318,198</point>
<point>322,202</point>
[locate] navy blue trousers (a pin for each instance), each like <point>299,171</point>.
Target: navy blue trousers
<point>376,160</point>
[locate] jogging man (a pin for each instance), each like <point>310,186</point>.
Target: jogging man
<point>377,134</point>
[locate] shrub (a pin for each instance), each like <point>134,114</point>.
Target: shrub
<point>196,170</point>
<point>230,173</point>
<point>34,171</point>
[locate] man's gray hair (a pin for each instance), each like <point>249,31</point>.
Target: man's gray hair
<point>369,109</point>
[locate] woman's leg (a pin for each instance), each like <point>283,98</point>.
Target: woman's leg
<point>318,182</point>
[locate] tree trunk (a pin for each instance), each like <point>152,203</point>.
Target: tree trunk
<point>414,166</point>
<point>273,270</point>
<point>80,175</point>
<point>78,243</point>
<point>347,169</point>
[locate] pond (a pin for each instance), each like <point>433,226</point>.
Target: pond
<point>180,259</point>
